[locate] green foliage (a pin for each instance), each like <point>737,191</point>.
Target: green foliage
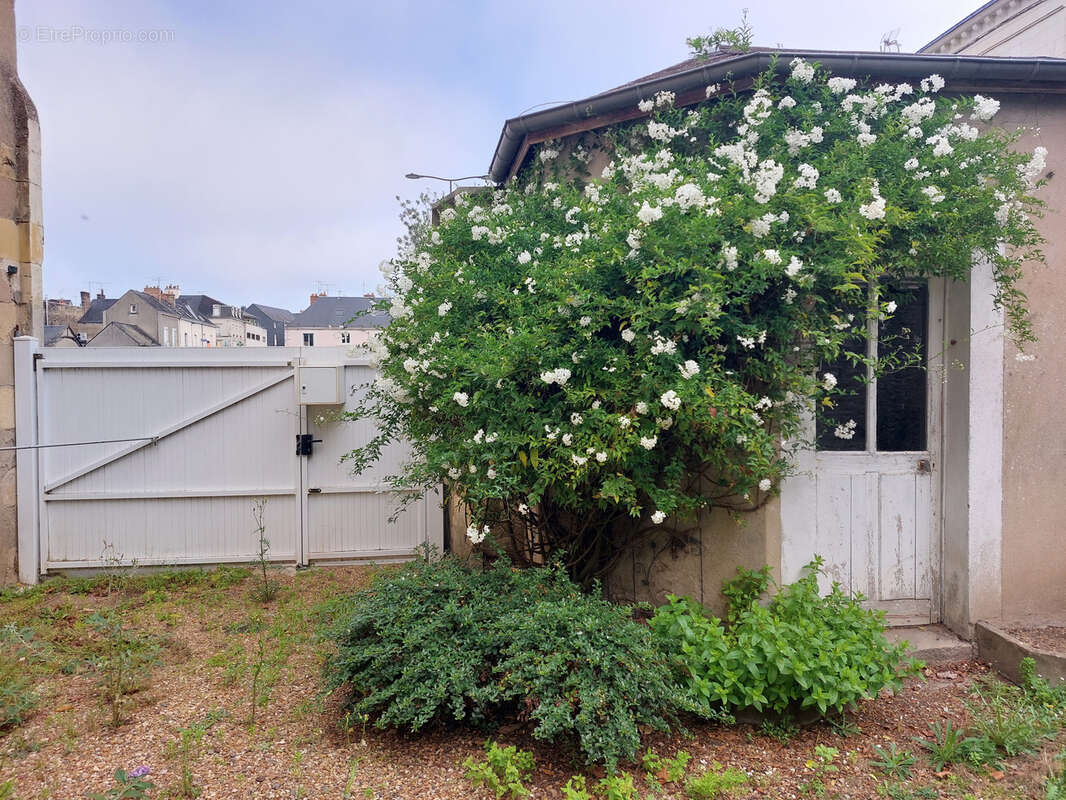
<point>1055,784</point>
<point>187,749</point>
<point>576,789</point>
<point>7,789</point>
<point>715,783</point>
<point>128,786</point>
<point>736,39</point>
<point>801,650</point>
<point>893,761</point>
<point>670,770</point>
<point>822,766</point>
<point>17,698</point>
<point>1014,719</point>
<point>581,356</point>
<point>441,640</point>
<point>124,661</point>
<point>503,770</point>
<point>617,787</point>
<point>951,745</point>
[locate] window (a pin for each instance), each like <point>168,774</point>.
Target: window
<point>186,338</point>
<point>886,413</point>
<point>166,337</point>
<point>346,338</point>
<point>174,336</point>
<point>309,340</point>
<point>133,308</point>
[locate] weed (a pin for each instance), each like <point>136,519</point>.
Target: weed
<point>843,726</point>
<point>353,769</point>
<point>667,770</point>
<point>7,790</point>
<point>617,787</point>
<point>17,697</point>
<point>950,745</point>
<point>503,770</point>
<point>822,766</point>
<point>130,784</point>
<point>715,783</point>
<point>893,761</point>
<point>266,589</point>
<point>1005,716</point>
<point>783,729</point>
<point>254,689</point>
<point>187,749</point>
<point>576,789</point>
<point>125,662</point>
<point>901,791</point>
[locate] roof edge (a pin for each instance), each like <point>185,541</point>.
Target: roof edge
<point>976,69</point>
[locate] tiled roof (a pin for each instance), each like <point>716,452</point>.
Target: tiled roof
<point>94,315</point>
<point>340,312</point>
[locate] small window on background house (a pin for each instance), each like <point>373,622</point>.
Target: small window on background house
<point>346,338</point>
<point>186,338</point>
<point>166,337</point>
<point>309,340</point>
<point>133,308</point>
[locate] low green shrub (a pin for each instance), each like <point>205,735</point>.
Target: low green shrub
<point>504,770</point>
<point>800,650</point>
<point>441,640</point>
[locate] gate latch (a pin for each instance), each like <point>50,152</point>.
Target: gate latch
<point>305,444</point>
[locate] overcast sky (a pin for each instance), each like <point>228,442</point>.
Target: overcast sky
<point>252,150</point>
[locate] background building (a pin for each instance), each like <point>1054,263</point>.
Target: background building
<point>335,322</point>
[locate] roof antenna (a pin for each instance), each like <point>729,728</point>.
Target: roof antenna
<point>890,41</point>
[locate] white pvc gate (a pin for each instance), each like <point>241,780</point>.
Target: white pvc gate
<point>219,430</point>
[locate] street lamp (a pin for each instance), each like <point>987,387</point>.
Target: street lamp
<point>413,176</point>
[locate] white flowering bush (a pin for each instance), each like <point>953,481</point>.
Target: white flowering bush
<point>573,349</point>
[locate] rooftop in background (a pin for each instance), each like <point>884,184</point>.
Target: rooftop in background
<point>270,312</point>
<point>95,313</point>
<point>340,312</point>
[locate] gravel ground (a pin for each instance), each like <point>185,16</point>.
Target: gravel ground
<point>296,748</point>
<point>1050,637</point>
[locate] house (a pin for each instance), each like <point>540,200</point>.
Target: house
<point>163,317</point>
<point>91,321</point>
<point>962,521</point>
<point>272,320</point>
<point>61,336</point>
<point>335,321</point>
<point>235,328</point>
<point>122,334</point>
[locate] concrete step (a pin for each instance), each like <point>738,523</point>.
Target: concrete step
<point>933,644</point>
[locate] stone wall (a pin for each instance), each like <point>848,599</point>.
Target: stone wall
<point>21,249</point>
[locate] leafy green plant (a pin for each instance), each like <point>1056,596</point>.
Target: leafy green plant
<point>7,789</point>
<point>266,589</point>
<point>1008,717</point>
<point>503,770</point>
<point>576,789</point>
<point>715,783</point>
<point>128,785</point>
<point>783,728</point>
<point>801,650</point>
<point>893,761</point>
<point>617,787</point>
<point>442,640</point>
<point>125,661</point>
<point>1055,783</point>
<point>668,770</point>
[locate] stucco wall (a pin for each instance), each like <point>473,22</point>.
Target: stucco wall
<point>1010,28</point>
<point>1034,455</point>
<point>328,337</point>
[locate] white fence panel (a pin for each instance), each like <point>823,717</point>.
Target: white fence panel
<point>212,431</point>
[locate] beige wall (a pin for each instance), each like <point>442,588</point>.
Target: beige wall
<point>1034,455</point>
<point>328,337</point>
<point>21,246</point>
<point>1009,28</point>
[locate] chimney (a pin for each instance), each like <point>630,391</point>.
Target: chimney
<point>173,291</point>
<point>154,291</point>
<point>369,295</point>
<point>316,296</point>
<point>84,299</point>
<point>100,295</point>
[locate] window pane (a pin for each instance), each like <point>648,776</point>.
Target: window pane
<point>834,424</point>
<point>901,390</point>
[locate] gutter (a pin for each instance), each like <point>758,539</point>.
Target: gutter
<point>1027,74</point>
